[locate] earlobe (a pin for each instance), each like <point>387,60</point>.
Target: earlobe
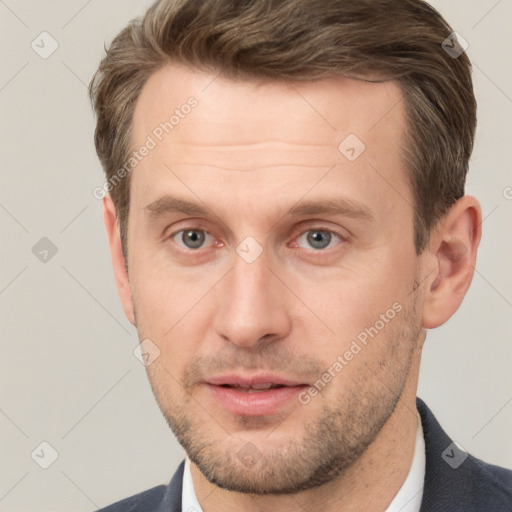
<point>118,259</point>
<point>454,245</point>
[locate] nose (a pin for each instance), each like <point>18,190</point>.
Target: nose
<point>252,305</point>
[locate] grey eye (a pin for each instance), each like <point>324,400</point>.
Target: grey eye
<point>319,239</point>
<point>192,238</point>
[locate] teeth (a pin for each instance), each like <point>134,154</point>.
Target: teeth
<point>255,388</point>
<point>267,385</point>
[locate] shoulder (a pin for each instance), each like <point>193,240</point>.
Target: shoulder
<point>147,500</point>
<point>490,484</point>
<point>157,499</point>
<point>457,481</point>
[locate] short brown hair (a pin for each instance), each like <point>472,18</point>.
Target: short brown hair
<point>304,40</point>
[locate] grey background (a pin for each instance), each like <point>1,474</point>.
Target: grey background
<point>68,373</point>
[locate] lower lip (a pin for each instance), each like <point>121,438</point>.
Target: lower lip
<point>258,403</point>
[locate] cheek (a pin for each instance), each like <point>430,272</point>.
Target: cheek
<point>163,294</point>
<point>351,299</point>
<point>170,310</point>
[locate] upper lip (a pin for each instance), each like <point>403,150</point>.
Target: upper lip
<point>252,380</point>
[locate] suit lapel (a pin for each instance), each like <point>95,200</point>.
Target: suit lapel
<point>171,501</point>
<point>449,477</point>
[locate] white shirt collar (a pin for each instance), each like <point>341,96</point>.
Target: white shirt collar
<point>407,499</point>
<point>189,501</point>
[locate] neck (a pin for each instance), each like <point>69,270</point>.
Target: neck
<point>370,483</point>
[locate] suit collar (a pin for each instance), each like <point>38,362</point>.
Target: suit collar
<point>456,481</point>
<point>171,501</point>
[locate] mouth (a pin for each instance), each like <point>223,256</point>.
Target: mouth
<point>254,396</point>
<point>255,388</point>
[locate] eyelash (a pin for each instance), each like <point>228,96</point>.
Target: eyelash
<point>295,237</point>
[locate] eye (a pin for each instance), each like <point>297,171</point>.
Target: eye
<point>317,239</point>
<point>191,238</point>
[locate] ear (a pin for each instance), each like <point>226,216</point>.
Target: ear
<point>118,259</point>
<point>453,248</point>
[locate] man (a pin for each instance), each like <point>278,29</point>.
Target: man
<point>286,217</point>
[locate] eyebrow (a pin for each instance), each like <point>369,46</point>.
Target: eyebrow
<point>337,206</point>
<point>169,204</point>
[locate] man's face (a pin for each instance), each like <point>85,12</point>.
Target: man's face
<point>293,262</point>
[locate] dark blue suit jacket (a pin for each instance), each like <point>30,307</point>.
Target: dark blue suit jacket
<point>454,480</point>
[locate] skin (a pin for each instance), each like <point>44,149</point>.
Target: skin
<point>248,153</point>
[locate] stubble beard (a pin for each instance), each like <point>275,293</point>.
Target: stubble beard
<point>320,449</point>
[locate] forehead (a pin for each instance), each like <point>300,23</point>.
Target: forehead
<point>251,110</point>
<point>203,125</point>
